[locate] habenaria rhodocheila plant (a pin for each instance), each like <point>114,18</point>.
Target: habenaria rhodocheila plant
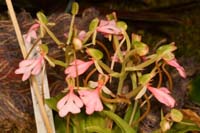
<point>88,104</point>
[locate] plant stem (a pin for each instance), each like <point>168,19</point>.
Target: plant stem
<point>105,67</point>
<point>133,112</point>
<point>142,65</point>
<point>168,76</point>
<point>121,79</point>
<point>70,30</point>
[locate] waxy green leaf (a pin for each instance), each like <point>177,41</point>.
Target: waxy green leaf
<point>95,53</point>
<point>93,24</point>
<point>120,122</point>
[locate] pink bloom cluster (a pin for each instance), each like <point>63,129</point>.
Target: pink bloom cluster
<point>72,103</point>
<point>30,66</point>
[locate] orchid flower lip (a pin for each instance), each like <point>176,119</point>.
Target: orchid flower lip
<point>70,103</point>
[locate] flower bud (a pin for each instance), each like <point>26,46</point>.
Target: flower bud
<point>77,43</point>
<point>165,125</point>
<point>141,48</point>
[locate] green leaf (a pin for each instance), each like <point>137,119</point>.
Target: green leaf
<point>141,48</point>
<point>182,128</point>
<point>120,122</point>
<point>194,90</point>
<point>176,115</point>
<point>60,124</point>
<point>93,24</point>
<point>79,123</point>
<point>42,18</point>
<point>129,118</point>
<point>122,25</point>
<point>128,113</point>
<point>97,66</point>
<point>144,79</point>
<point>141,93</point>
<point>57,62</point>
<point>165,49</point>
<point>98,129</point>
<point>52,102</point>
<point>49,61</point>
<point>95,53</point>
<point>115,74</point>
<point>75,8</point>
<point>96,119</point>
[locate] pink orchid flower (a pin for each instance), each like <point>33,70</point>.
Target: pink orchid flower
<point>108,28</point>
<point>91,100</point>
<point>162,95</point>
<point>30,66</point>
<point>69,103</point>
<point>179,68</point>
<point>77,67</point>
<point>31,33</point>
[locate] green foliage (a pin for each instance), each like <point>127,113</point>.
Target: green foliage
<point>51,102</point>
<point>93,24</point>
<point>176,115</point>
<point>182,128</point>
<point>125,128</point>
<point>95,53</point>
<point>60,124</point>
<point>194,90</point>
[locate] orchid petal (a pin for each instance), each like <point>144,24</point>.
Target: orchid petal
<point>26,62</point>
<point>80,67</point>
<point>26,76</point>
<point>91,100</point>
<point>69,103</point>
<point>62,101</point>
<point>162,96</point>
<point>179,68</point>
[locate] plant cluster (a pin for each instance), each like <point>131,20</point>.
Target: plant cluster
<point>88,104</point>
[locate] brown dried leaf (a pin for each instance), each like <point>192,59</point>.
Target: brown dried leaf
<point>191,115</point>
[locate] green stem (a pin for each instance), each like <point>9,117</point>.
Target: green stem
<point>117,52</point>
<point>70,30</point>
<point>187,123</point>
<point>105,67</point>
<point>143,65</point>
<point>117,45</point>
<point>121,79</point>
<point>133,112</point>
<point>51,34</point>
<point>128,42</point>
